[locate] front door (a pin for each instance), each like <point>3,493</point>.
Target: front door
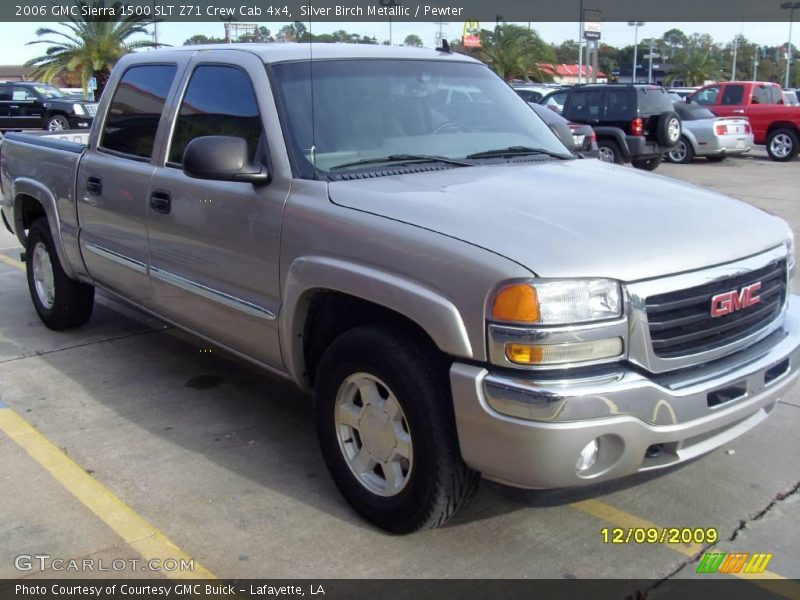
<point>214,245</point>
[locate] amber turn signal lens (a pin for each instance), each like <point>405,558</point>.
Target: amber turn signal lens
<point>524,354</point>
<point>516,303</point>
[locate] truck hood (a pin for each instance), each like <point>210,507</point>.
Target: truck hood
<point>580,218</point>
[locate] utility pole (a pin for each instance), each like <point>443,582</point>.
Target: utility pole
<point>735,49</point>
<point>580,44</point>
<point>635,25</point>
<point>650,70</point>
<point>755,63</point>
<point>790,6</point>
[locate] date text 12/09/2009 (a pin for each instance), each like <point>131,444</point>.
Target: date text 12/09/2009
<point>659,535</point>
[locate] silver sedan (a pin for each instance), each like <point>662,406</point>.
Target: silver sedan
<point>705,134</point>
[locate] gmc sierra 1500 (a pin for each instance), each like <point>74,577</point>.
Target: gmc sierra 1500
<point>397,231</point>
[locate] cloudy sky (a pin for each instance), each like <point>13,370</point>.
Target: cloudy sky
<point>14,37</point>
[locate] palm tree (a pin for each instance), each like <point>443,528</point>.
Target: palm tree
<point>694,68</point>
<point>88,48</point>
<point>514,51</point>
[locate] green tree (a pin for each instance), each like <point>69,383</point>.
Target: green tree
<point>88,48</point>
<point>675,40</point>
<point>566,52</point>
<point>514,51</point>
<point>413,40</point>
<point>199,39</point>
<point>695,68</point>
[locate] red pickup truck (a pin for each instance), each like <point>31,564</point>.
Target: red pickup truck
<point>773,123</point>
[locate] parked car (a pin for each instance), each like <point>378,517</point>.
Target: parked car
<point>682,92</point>
<point>28,105</point>
<point>555,100</point>
<point>578,138</point>
<point>461,295</point>
<point>790,98</point>
<point>531,92</point>
<point>774,124</point>
<point>633,123</point>
<point>706,134</point>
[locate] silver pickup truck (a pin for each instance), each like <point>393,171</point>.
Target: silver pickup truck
<point>397,231</point>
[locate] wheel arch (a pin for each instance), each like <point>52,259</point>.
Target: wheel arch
<point>325,297</point>
<point>783,125</point>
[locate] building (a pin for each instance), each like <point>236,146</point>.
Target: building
<point>568,74</point>
<point>15,73</point>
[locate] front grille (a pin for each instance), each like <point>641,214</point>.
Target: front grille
<point>681,323</point>
<point>91,109</point>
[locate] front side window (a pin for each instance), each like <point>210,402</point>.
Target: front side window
<point>733,95</point>
<point>370,109</point>
<point>21,94</point>
<point>219,100</point>
<point>136,109</point>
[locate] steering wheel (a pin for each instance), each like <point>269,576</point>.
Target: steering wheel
<point>448,125</point>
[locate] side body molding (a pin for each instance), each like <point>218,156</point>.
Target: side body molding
<point>31,187</point>
<point>434,313</point>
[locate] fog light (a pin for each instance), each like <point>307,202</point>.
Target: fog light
<point>588,456</point>
<point>554,354</point>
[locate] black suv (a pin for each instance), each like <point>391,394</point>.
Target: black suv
<point>27,105</point>
<point>633,123</point>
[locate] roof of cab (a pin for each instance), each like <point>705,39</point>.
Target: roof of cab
<point>283,52</point>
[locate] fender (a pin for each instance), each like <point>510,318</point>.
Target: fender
<point>692,140</point>
<point>34,189</point>
<point>431,311</point>
<point>617,134</point>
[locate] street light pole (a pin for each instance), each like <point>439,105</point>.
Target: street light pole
<point>580,44</point>
<point>635,25</point>
<point>650,70</point>
<point>790,6</point>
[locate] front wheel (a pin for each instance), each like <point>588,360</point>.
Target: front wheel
<point>57,123</point>
<point>384,418</point>
<point>61,302</point>
<point>782,145</point>
<point>648,164</point>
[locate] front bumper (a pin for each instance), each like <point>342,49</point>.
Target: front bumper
<point>642,422</point>
<point>76,122</point>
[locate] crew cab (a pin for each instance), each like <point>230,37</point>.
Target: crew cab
<point>774,123</point>
<point>462,295</point>
<point>29,105</point>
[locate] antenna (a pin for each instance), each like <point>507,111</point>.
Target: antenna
<point>445,47</point>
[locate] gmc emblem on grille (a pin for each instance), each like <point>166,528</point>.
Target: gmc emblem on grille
<point>729,302</point>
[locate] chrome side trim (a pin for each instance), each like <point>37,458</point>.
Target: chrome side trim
<point>212,294</point>
<point>640,349</point>
<point>118,258</point>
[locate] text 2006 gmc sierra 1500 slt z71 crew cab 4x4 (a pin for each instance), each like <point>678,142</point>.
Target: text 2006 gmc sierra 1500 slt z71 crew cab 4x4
<point>462,295</point>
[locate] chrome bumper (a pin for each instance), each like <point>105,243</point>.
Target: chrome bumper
<point>529,433</point>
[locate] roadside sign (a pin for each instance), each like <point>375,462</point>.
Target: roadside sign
<point>93,83</point>
<point>472,34</point>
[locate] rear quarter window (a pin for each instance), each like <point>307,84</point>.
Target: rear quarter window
<point>654,101</point>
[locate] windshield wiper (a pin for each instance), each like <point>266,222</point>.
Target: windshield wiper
<point>516,151</point>
<point>405,158</point>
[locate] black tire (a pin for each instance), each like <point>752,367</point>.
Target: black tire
<point>668,129</point>
<point>647,164</point>
<point>682,153</point>
<point>72,301</point>
<point>437,483</point>
<point>782,145</point>
<point>609,151</point>
<point>57,123</point>
<point>716,158</point>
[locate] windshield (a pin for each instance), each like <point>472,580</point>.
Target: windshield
<point>369,109</point>
<point>48,91</point>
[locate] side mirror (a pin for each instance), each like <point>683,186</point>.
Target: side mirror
<point>222,158</point>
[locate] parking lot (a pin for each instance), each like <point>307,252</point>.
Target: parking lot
<point>128,439</point>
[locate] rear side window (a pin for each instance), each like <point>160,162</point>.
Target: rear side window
<point>135,110</point>
<point>219,101</point>
<point>775,95</point>
<point>733,95</point>
<point>619,104</point>
<point>761,94</point>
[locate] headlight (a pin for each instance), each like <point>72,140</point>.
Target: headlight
<point>557,302</point>
<point>791,260</point>
<point>79,110</point>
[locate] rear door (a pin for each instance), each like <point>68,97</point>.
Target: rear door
<point>114,180</point>
<point>214,244</point>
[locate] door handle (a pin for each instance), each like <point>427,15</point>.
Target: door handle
<point>94,185</point>
<point>161,202</point>
<point>739,112</point>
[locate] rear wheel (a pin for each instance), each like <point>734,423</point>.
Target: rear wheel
<point>61,302</point>
<point>782,145</point>
<point>609,151</point>
<point>682,153</point>
<point>384,418</point>
<point>647,164</point>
